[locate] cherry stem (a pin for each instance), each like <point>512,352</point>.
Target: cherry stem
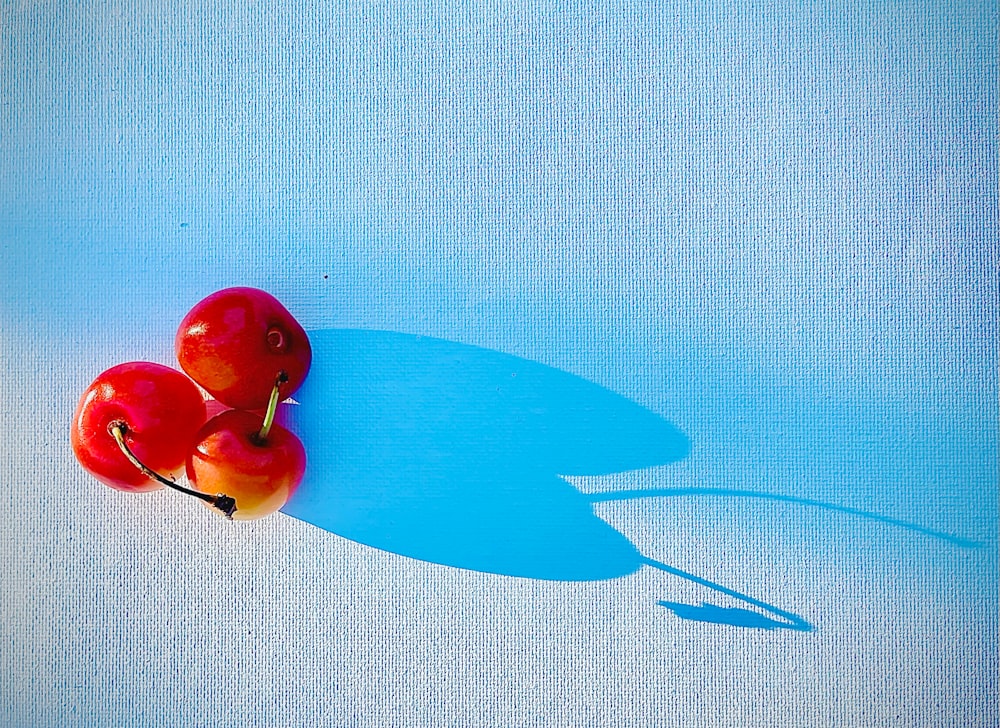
<point>223,502</point>
<point>272,407</point>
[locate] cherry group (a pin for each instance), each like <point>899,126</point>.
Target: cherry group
<point>140,425</point>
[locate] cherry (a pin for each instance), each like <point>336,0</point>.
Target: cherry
<point>156,411</point>
<point>252,460</point>
<point>234,342</point>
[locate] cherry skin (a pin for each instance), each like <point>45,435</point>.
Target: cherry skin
<point>159,410</point>
<point>259,474</point>
<point>234,342</point>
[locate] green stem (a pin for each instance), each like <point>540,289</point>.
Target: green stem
<point>221,501</point>
<point>272,407</point>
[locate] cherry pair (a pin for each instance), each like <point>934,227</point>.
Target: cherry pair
<point>141,424</point>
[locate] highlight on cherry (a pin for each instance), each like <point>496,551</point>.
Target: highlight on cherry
<point>141,425</point>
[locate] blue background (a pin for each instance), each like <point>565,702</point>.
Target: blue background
<point>749,248</point>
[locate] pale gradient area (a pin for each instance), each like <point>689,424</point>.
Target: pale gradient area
<point>771,228</point>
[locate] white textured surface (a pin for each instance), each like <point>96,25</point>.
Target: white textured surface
<point>773,225</point>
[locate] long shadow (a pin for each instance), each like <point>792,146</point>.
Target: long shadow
<point>453,454</point>
<point>620,495</point>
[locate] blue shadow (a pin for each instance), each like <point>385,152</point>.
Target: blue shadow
<point>453,454</point>
<point>733,617</point>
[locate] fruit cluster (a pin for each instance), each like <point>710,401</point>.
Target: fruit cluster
<point>139,425</point>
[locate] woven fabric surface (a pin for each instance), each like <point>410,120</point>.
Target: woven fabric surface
<point>656,375</point>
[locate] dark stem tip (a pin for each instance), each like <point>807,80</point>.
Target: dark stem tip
<point>226,504</point>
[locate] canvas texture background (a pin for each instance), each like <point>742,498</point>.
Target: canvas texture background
<point>771,226</point>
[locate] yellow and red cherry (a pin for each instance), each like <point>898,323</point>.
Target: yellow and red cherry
<point>234,342</point>
<point>156,410</point>
<point>256,462</point>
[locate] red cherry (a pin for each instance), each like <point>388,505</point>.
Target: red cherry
<point>236,341</point>
<point>159,410</point>
<point>259,472</point>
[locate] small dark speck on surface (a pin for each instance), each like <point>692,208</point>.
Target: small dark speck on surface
<point>325,277</point>
<point>185,224</point>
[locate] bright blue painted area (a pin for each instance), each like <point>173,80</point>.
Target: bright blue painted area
<point>453,454</point>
